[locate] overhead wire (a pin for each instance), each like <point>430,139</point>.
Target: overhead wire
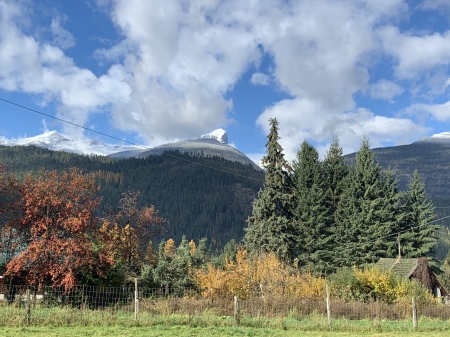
<point>190,161</point>
<point>124,140</point>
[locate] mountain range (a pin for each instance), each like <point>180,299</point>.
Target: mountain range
<point>211,144</point>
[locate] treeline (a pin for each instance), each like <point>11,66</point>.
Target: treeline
<point>311,217</point>
<point>50,236</point>
<point>326,214</point>
<point>197,195</point>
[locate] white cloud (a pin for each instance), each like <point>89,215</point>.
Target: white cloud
<point>416,54</point>
<point>301,119</point>
<point>384,89</point>
<point>178,60</point>
<point>260,79</point>
<point>441,112</point>
<point>42,69</point>
<point>61,37</point>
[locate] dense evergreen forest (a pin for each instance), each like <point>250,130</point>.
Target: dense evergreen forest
<point>201,202</point>
<point>199,196</point>
<point>327,214</point>
<point>177,221</point>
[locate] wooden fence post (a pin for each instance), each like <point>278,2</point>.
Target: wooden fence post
<point>136,300</point>
<point>414,313</point>
<point>328,306</point>
<point>237,314</point>
<point>27,306</point>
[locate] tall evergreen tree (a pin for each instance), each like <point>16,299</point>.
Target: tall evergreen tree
<point>270,227</point>
<point>336,172</point>
<point>311,215</point>
<point>418,226</point>
<point>366,217</point>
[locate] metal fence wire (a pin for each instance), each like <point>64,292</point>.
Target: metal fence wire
<point>167,301</point>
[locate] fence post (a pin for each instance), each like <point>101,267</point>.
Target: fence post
<point>27,306</point>
<point>328,306</point>
<point>414,313</point>
<point>237,314</point>
<point>136,300</point>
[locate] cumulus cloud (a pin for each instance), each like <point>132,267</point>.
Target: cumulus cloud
<point>319,126</point>
<point>440,112</point>
<point>43,69</point>
<point>61,37</point>
<point>416,54</point>
<point>177,61</point>
<point>384,89</point>
<point>260,79</point>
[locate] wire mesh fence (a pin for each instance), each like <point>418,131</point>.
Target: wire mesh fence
<point>110,301</point>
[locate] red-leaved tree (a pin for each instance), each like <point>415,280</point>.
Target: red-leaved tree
<point>59,213</point>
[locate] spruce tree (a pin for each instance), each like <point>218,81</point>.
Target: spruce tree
<point>418,225</point>
<point>367,216</point>
<point>336,172</point>
<point>311,215</point>
<point>270,227</point>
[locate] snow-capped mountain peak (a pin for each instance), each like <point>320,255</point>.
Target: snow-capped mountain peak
<point>219,134</point>
<point>55,141</point>
<point>443,135</point>
<point>440,138</point>
<point>214,143</point>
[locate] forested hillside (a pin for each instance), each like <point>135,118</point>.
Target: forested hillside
<point>200,197</point>
<point>432,160</point>
<point>310,217</point>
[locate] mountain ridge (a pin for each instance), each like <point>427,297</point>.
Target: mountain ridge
<point>214,143</point>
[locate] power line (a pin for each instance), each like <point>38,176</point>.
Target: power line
<point>71,123</point>
<point>191,161</point>
<point>123,140</point>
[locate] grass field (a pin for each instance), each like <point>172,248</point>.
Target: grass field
<point>184,331</point>
<point>68,321</point>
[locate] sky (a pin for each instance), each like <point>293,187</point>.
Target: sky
<point>158,71</point>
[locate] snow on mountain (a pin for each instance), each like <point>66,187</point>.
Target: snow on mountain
<point>214,143</point>
<point>220,135</point>
<point>443,137</point>
<point>55,141</point>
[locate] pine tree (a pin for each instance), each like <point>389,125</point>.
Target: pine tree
<point>311,215</point>
<point>367,216</point>
<point>418,226</point>
<point>270,227</point>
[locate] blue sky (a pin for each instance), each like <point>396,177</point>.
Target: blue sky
<point>154,71</point>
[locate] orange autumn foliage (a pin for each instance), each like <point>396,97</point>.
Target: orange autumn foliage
<point>59,210</point>
<point>262,276</point>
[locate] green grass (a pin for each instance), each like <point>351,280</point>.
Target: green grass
<point>67,321</point>
<point>184,331</point>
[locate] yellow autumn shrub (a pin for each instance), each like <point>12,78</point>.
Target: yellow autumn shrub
<point>376,283</point>
<point>387,287</point>
<point>264,275</point>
